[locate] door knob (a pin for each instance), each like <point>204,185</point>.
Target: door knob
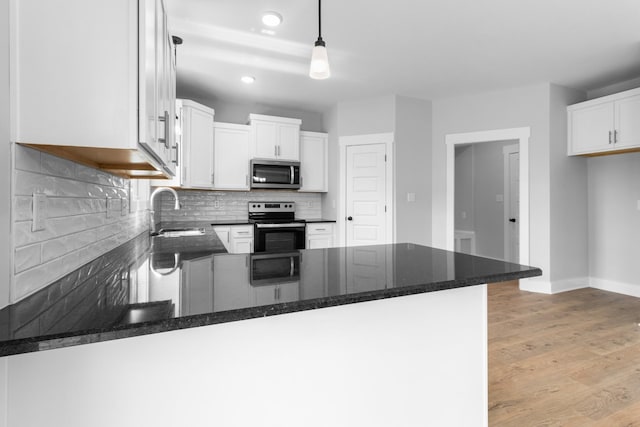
<point>512,220</point>
<point>350,218</point>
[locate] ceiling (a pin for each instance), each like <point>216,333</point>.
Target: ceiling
<point>420,48</point>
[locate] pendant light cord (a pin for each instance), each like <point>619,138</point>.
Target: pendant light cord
<point>319,19</point>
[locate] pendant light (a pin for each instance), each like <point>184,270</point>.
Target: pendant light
<point>319,68</point>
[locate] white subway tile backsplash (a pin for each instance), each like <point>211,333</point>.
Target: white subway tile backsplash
<point>27,257</point>
<point>201,205</point>
<point>77,227</point>
<point>27,159</point>
<point>55,248</point>
<point>22,208</point>
<point>51,165</point>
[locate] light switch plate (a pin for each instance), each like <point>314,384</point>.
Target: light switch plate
<point>39,212</point>
<point>411,197</point>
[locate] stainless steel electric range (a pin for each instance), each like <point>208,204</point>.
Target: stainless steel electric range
<point>275,227</point>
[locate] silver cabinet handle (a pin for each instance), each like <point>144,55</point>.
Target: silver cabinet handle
<point>213,178</point>
<point>165,119</point>
<point>321,229</point>
<point>615,136</point>
<point>275,151</point>
<point>609,137</point>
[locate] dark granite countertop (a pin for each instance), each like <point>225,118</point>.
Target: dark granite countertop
<point>150,285</point>
<point>312,220</point>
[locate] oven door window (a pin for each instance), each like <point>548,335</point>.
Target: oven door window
<point>279,240</point>
<point>271,174</point>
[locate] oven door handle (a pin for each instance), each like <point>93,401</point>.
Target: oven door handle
<point>292,175</point>
<point>279,225</point>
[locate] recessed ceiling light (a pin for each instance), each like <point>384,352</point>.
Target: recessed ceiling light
<point>248,79</point>
<point>271,19</point>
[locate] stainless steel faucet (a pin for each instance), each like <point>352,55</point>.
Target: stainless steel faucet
<point>151,200</point>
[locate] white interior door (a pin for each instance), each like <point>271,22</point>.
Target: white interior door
<point>512,203</point>
<point>366,195</point>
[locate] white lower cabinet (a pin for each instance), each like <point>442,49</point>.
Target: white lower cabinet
<point>319,235</point>
<point>237,239</point>
<point>197,286</point>
<point>231,278</point>
<point>278,293</point>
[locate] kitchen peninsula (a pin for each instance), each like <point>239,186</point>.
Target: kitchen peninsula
<point>373,335</point>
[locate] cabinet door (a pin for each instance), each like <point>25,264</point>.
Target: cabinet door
<point>231,282</point>
<point>276,294</point>
<point>591,128</point>
<point>288,142</point>
<point>313,162</point>
<point>224,234</point>
<point>627,113</point>
<point>197,286</point>
<point>148,81</point>
<point>265,136</point>
<point>197,139</point>
<point>241,246</point>
<point>319,242</point>
<point>231,158</point>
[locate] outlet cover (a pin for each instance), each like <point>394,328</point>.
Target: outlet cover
<point>110,203</point>
<point>39,212</point>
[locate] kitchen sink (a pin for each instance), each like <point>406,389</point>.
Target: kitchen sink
<point>178,232</point>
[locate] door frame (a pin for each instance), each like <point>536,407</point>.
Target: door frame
<point>506,151</point>
<point>522,135</point>
<point>369,139</point>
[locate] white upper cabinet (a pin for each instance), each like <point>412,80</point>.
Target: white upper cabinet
<point>197,145</point>
<point>275,137</point>
<point>77,90</point>
<point>313,161</point>
<point>605,125</point>
<point>231,156</point>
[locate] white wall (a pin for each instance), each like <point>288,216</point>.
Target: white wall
<point>513,108</point>
<point>614,222</point>
<point>568,249</point>
<point>5,159</point>
<point>413,158</point>
<point>410,121</point>
<point>375,115</point>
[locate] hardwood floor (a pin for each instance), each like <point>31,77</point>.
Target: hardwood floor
<point>570,359</point>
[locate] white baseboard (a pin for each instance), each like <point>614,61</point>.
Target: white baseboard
<point>630,289</point>
<point>535,284</point>
<point>565,285</point>
<point>553,287</point>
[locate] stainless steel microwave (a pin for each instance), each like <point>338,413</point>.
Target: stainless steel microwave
<point>275,174</point>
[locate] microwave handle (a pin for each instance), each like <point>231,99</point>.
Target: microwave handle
<point>292,175</point>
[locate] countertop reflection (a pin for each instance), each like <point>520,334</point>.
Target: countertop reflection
<point>151,285</point>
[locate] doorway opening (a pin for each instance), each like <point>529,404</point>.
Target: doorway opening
<point>486,199</point>
<point>514,239</point>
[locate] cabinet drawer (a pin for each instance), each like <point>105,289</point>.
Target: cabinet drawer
<point>320,228</point>
<point>240,232</point>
